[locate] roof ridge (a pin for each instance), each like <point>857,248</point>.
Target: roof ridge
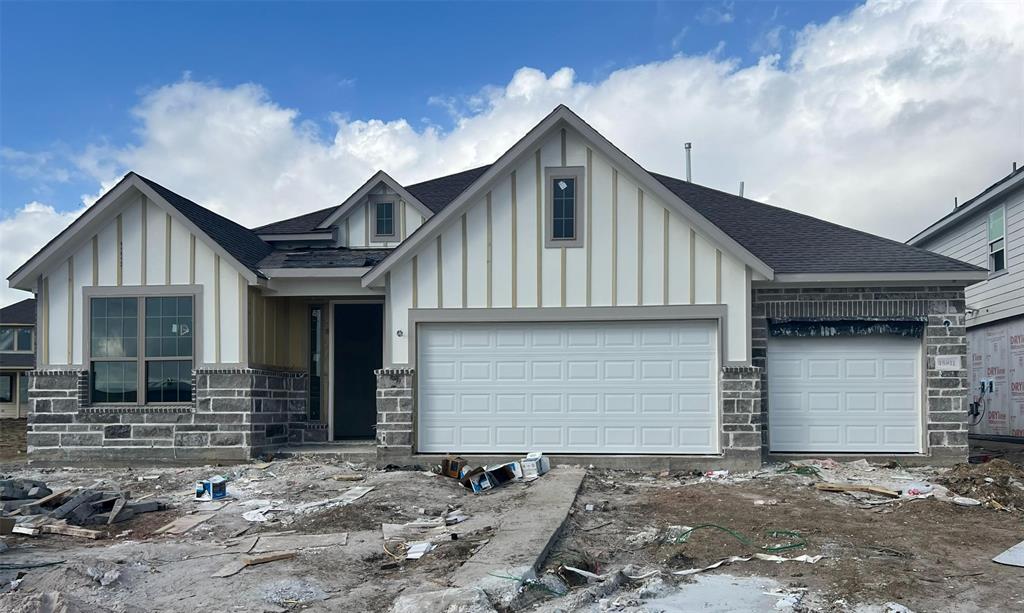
<point>449,175</point>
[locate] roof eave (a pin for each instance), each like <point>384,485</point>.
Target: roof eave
<point>963,277</point>
<point>979,202</point>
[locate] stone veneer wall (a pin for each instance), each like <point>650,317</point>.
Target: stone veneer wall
<point>945,391</point>
<point>396,412</point>
<point>235,414</point>
<point>741,413</point>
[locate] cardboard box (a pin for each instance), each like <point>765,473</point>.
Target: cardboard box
<point>451,466</point>
<point>534,465</point>
<point>213,488</point>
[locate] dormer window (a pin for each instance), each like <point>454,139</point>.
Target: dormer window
<point>564,206</point>
<point>384,227</point>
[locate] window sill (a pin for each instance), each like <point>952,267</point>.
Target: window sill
<point>996,275</point>
<point>132,408</point>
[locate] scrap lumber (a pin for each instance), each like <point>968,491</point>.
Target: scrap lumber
<point>236,566</point>
<point>854,487</point>
<point>25,530</point>
<point>64,530</point>
<point>55,498</point>
<point>68,507</point>
<point>266,544</point>
<point>118,505</point>
<point>184,524</point>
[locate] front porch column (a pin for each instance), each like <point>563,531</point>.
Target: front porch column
<point>396,409</point>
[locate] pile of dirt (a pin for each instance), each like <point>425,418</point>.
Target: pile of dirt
<point>997,481</point>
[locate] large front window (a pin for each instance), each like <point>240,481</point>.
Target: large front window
<point>160,365</point>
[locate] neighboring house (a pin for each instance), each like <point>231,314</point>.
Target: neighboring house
<point>988,230</point>
<point>562,299</point>
<point>17,357</point>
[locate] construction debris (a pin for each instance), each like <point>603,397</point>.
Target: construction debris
<point>236,566</point>
<point>36,509</point>
<point>855,487</point>
<point>1014,556</point>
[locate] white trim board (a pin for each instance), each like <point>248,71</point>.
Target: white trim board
<point>364,190</point>
<point>561,117</point>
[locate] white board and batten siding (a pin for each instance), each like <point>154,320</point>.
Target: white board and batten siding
<point>1002,295</point>
<point>637,251</point>
<point>142,245</point>
<point>356,231</point>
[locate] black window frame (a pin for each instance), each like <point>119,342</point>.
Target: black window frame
<point>143,358</point>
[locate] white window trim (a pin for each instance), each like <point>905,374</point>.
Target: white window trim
<point>990,241</point>
<point>32,343</point>
<point>373,200</point>
<point>551,174</point>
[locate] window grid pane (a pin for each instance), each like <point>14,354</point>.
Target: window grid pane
<point>24,339</point>
<point>169,327</point>
<point>995,225</point>
<point>564,209</point>
<point>6,339</point>
<point>114,328</point>
<point>115,382</point>
<point>168,381</point>
<point>385,219</point>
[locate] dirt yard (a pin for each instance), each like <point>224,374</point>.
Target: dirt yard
<point>877,553</point>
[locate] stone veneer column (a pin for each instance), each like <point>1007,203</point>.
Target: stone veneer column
<point>741,413</point>
<point>396,409</point>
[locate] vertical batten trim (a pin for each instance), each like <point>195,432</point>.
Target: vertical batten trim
<point>145,237</point>
<point>167,249</point>
<point>693,267</point>
<point>515,238</point>
<point>490,255</point>
<point>95,261</point>
<point>440,275</point>
<point>348,233</point>
<point>415,282</point>
<point>718,276</point>
<point>366,225</point>
<point>465,265</point>
<point>71,308</point>
<point>243,323</point>
<point>615,236</point>
<point>639,246</point>
<point>403,219</point>
<point>216,307</point>
<point>540,230</point>
<point>665,259</point>
<point>119,273</point>
<point>590,224</point>
<point>192,259</point>
<point>564,153</point>
<point>45,345</point>
<point>561,272</point>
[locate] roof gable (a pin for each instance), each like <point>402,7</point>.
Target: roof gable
<point>380,177</point>
<point>988,195</point>
<point>239,245</point>
<point>23,312</point>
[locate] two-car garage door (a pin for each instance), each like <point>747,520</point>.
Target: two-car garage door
<point>856,394</point>
<point>571,387</point>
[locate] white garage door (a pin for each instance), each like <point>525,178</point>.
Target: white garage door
<point>593,387</point>
<point>844,394</point>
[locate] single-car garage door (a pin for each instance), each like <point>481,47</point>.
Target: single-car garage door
<point>844,394</point>
<point>568,387</point>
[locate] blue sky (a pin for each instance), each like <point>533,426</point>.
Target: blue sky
<point>72,72</point>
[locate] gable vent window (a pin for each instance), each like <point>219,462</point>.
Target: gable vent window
<point>383,220</point>
<point>564,206</point>
<point>997,241</point>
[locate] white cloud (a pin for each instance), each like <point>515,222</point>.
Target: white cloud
<point>877,120</point>
<point>24,232</point>
<point>721,13</point>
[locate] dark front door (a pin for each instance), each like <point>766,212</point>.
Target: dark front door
<point>358,351</point>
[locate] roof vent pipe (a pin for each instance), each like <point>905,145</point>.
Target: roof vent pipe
<point>687,146</point>
<point>741,189</point>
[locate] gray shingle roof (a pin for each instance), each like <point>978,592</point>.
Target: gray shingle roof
<point>327,257</point>
<point>438,193</point>
<point>297,225</point>
<point>23,312</point>
<point>241,242</point>
<point>792,242</point>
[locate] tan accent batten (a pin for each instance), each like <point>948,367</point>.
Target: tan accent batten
<point>167,251</point>
<point>95,261</point>
<point>402,205</point>
<point>665,259</point>
<point>564,152</point>
<point>216,307</point>
<point>440,275</point>
<point>515,239</point>
<point>693,266</point>
<point>718,277</point>
<point>540,229</point>
<point>615,236</point>
<point>192,259</point>
<point>415,282</point>
<point>145,232</point>
<point>465,265</point>
<point>348,235</point>
<point>490,254</point>
<point>561,274</point>
<point>243,326</point>
<point>71,308</point>
<point>119,274</point>
<point>590,224</point>
<point>366,225</point>
<point>639,246</point>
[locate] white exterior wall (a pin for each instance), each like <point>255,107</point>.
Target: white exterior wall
<point>356,229</point>
<point>1003,295</point>
<point>624,261</point>
<point>144,254</point>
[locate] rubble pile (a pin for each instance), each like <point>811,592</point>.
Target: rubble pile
<point>997,484</point>
<point>29,507</point>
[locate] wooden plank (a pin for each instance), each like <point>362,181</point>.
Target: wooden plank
<point>237,565</point>
<point>72,531</point>
<point>55,497</point>
<point>118,505</point>
<point>25,530</point>
<point>853,487</point>
<point>184,524</point>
